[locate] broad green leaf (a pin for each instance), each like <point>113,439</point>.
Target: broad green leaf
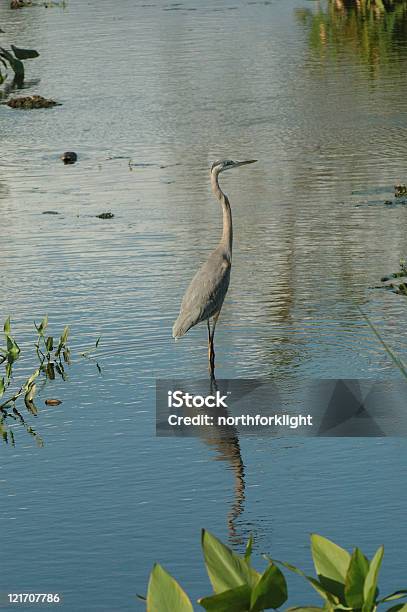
<point>2,386</point>
<point>237,599</point>
<point>249,549</point>
<point>165,594</point>
<point>226,570</point>
<point>331,564</point>
<point>393,596</point>
<point>7,326</point>
<point>398,608</point>
<point>331,599</point>
<point>270,591</point>
<point>355,579</point>
<point>23,54</point>
<point>49,343</point>
<point>370,587</point>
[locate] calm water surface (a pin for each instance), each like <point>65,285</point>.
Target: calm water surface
<point>171,87</point>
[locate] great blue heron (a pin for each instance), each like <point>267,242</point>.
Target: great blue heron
<point>204,297</point>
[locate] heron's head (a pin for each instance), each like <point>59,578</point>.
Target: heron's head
<point>227,164</point>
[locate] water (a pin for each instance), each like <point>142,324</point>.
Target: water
<point>169,88</point>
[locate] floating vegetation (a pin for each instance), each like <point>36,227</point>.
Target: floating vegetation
<point>344,581</point>
<point>53,355</point>
<point>29,102</point>
<point>105,215</point>
<point>69,157</point>
<point>397,281</point>
<point>400,191</point>
<point>12,59</point>
<point>18,4</point>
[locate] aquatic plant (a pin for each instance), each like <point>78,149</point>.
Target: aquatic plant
<point>13,59</point>
<point>344,581</point>
<point>396,281</point>
<point>52,354</point>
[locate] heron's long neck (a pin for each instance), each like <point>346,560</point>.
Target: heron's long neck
<point>227,234</point>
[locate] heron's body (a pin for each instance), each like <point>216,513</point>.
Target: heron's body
<point>204,297</point>
<point>203,300</point>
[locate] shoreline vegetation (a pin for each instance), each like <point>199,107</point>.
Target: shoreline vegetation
<point>374,31</point>
<point>344,581</point>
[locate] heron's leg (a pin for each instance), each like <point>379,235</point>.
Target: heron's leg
<point>211,344</point>
<point>209,341</point>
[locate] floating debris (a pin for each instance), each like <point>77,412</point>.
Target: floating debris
<point>69,157</point>
<point>396,282</point>
<point>27,102</point>
<point>400,191</point>
<point>17,4</point>
<point>105,215</point>
<point>50,212</point>
<point>53,402</point>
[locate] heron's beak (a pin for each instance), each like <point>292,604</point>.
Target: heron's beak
<point>243,163</point>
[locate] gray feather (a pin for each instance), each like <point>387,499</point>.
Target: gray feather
<point>206,292</point>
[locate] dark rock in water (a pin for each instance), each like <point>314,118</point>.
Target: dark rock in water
<point>27,102</point>
<point>106,215</point>
<point>50,212</point>
<point>69,157</point>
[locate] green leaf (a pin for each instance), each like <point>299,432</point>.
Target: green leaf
<point>393,596</point>
<point>13,350</point>
<point>331,564</point>
<point>2,386</point>
<point>226,570</point>
<point>370,586</point>
<point>7,326</point>
<point>49,343</point>
<point>30,380</point>
<point>270,591</point>
<point>355,579</point>
<point>331,599</point>
<point>65,334</point>
<point>165,594</point>
<point>23,54</point>
<point>249,549</point>
<point>398,608</point>
<point>237,599</point>
<point>303,609</point>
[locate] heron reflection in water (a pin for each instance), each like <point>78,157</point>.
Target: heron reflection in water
<point>203,300</point>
